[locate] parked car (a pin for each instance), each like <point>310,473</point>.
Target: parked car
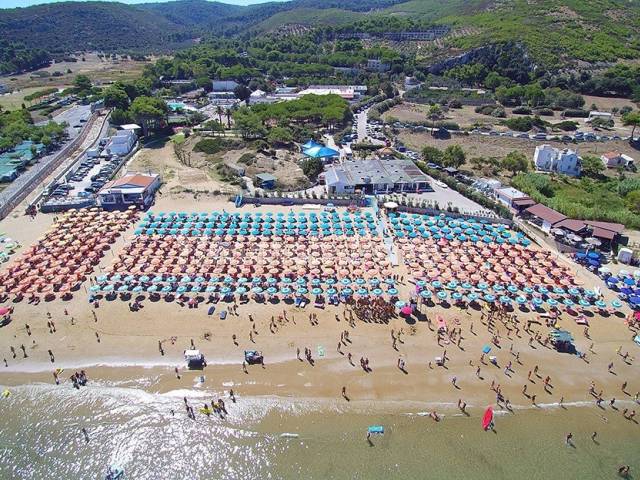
<point>441,184</point>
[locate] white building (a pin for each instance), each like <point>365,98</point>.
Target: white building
<point>121,143</point>
<point>508,195</point>
<point>348,92</point>
<point>593,114</point>
<point>375,176</point>
<point>132,189</point>
<point>616,159</point>
<point>550,159</point>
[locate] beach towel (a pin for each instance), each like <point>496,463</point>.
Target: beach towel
<point>582,321</point>
<point>223,314</point>
<point>211,310</point>
<point>320,349</point>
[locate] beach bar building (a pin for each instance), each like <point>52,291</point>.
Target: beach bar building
<point>375,176</point>
<point>543,217</point>
<point>132,189</point>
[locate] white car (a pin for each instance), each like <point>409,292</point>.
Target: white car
<point>441,184</point>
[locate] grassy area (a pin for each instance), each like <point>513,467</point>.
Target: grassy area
<point>607,199</point>
<point>178,138</point>
<point>14,100</point>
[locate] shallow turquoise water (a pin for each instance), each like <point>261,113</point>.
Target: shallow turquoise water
<point>42,439</point>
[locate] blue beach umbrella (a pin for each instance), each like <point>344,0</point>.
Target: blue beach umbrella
<point>152,288</point>
<point>442,295</point>
<point>256,289</point>
<point>616,304</point>
<point>472,297</point>
<point>489,298</point>
<point>553,302</point>
<point>301,291</point>
<point>392,291</point>
<point>331,291</point>
<point>94,288</point>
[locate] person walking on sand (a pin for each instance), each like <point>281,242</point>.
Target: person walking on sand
<point>593,436</point>
<point>568,438</point>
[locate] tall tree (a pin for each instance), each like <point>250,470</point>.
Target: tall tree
<point>632,119</point>
<point>149,112</point>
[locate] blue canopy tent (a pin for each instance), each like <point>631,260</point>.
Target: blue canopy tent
<point>321,152</point>
<point>311,144</point>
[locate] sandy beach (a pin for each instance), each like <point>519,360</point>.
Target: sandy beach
<point>118,347</point>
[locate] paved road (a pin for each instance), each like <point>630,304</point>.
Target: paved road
<point>73,114</point>
<point>362,125</point>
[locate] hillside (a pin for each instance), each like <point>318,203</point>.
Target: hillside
<point>310,17</point>
<point>69,26</point>
<point>555,32</point>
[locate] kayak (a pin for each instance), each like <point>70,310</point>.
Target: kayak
<point>487,418</point>
<point>379,429</point>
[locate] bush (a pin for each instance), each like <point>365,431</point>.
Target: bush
<point>522,110</point>
<point>547,112</point>
<point>566,126</point>
<point>484,109</point>
<point>499,112</point>
<point>576,113</point>
<point>524,124</point>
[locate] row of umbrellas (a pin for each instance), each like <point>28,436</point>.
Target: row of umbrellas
<point>67,253</point>
<point>439,227</point>
<point>258,224</point>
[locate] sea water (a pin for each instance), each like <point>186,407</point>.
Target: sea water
<point>41,438</point>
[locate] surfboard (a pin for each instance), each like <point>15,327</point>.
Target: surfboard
<point>6,393</point>
<point>288,435</point>
<point>487,418</point>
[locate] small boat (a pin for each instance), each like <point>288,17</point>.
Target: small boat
<point>114,473</point>
<point>487,419</point>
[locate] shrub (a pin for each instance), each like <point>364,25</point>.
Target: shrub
<point>576,113</point>
<point>547,112</point>
<point>522,110</point>
<point>566,125</point>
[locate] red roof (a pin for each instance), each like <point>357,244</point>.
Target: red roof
<point>610,155</point>
<point>135,179</point>
<point>571,224</point>
<point>545,213</point>
<point>612,227</point>
<point>602,233</point>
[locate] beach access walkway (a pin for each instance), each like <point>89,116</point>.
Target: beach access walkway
<point>384,231</point>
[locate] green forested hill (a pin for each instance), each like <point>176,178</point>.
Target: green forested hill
<point>555,32</point>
